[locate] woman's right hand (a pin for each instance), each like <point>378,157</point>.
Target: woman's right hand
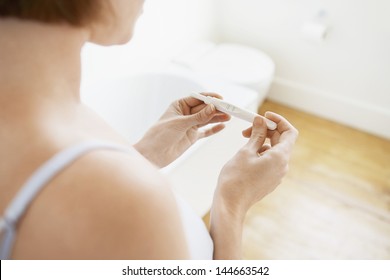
<point>258,168</point>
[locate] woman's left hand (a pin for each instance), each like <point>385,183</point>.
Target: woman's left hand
<point>179,128</point>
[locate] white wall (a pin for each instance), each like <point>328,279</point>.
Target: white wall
<point>165,27</point>
<point>168,25</point>
<point>346,78</point>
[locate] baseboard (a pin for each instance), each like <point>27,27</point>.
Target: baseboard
<point>359,115</point>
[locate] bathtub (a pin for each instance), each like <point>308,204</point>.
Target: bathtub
<point>131,103</point>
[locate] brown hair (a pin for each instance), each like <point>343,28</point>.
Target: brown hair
<point>74,12</point>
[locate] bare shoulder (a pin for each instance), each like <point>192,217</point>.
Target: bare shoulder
<point>112,205</point>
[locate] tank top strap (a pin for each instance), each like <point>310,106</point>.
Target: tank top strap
<point>37,181</point>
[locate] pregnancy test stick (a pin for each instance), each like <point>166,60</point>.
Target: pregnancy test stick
<point>231,109</point>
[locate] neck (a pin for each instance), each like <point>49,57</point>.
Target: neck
<point>40,64</point>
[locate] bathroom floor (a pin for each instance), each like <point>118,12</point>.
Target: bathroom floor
<point>333,204</point>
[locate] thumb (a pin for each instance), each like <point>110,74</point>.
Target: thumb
<point>203,116</point>
<point>259,134</point>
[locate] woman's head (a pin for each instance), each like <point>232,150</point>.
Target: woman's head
<point>109,21</point>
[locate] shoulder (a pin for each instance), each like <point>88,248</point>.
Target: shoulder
<point>131,207</point>
<point>114,205</point>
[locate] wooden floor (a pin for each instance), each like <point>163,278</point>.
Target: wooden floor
<point>333,204</point>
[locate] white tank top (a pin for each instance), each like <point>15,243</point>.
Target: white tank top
<point>199,241</point>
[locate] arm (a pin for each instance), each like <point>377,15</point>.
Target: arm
<point>179,128</point>
<point>255,171</point>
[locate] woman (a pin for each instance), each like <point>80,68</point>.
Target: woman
<point>66,196</point>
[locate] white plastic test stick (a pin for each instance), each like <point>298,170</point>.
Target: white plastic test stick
<point>232,110</point>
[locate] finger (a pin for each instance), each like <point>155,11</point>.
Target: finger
<point>247,132</point>
<point>192,101</point>
<point>259,134</point>
<point>197,108</point>
<point>283,124</point>
<point>218,114</point>
<point>263,149</point>
<point>285,132</point>
<point>211,131</point>
<point>218,118</point>
<point>202,117</point>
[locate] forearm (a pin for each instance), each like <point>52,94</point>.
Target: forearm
<point>226,228</point>
<point>145,152</point>
<point>155,151</point>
